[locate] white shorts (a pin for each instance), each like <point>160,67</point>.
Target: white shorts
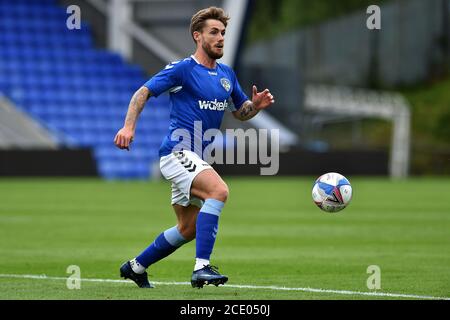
<point>181,168</point>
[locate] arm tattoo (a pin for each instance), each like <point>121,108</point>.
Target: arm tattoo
<point>246,112</point>
<point>136,106</point>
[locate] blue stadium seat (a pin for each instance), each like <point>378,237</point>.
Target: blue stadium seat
<point>79,92</point>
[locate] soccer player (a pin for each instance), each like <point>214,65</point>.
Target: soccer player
<point>200,90</point>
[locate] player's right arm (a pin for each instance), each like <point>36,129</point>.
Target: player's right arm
<point>125,135</point>
<point>171,76</point>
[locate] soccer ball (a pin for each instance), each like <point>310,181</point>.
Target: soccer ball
<point>332,192</point>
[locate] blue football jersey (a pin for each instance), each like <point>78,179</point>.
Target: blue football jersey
<point>198,96</point>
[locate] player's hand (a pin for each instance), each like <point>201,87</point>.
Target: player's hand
<point>262,100</point>
<point>123,138</point>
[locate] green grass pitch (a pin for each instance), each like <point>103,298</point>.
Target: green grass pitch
<point>270,234</point>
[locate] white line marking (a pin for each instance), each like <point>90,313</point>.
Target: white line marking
<point>343,292</point>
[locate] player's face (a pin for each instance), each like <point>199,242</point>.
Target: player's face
<point>212,38</point>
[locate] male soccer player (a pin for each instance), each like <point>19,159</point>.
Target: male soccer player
<point>200,89</point>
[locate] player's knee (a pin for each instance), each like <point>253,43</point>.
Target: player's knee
<point>190,235</point>
<point>221,193</point>
<point>187,231</point>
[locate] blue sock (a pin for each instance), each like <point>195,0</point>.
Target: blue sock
<point>206,227</point>
<point>166,243</point>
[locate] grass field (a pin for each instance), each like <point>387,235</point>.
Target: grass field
<point>271,234</point>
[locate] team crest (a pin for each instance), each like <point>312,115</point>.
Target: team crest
<point>225,84</point>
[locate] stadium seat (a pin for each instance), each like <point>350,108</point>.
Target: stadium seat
<point>79,92</point>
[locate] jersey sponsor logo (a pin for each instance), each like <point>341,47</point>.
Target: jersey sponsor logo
<point>225,84</point>
<point>213,105</point>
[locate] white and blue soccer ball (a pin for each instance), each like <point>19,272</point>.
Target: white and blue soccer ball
<point>332,192</point>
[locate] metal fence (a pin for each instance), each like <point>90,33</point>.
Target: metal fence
<point>411,46</point>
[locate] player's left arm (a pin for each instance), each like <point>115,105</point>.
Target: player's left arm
<point>249,109</point>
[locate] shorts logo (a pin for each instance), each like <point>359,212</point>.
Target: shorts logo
<point>185,162</point>
<point>225,84</point>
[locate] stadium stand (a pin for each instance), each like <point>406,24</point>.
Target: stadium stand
<point>18,131</point>
<point>76,91</point>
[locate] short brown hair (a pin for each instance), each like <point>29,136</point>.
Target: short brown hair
<point>198,20</point>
